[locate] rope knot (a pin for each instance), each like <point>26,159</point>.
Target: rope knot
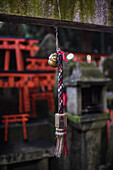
<point>62,53</point>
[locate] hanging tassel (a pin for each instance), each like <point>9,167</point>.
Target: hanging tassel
<point>61,145</point>
<point>60,117</point>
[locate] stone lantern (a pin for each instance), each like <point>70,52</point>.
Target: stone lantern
<point>86,101</point>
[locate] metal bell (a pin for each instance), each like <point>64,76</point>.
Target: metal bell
<point>53,60</point>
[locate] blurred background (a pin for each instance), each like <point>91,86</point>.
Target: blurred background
<point>28,93</point>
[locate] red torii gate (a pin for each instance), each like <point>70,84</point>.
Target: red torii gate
<point>27,81</point>
<point>17,44</point>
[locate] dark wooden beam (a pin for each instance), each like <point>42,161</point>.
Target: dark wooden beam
<point>55,23</point>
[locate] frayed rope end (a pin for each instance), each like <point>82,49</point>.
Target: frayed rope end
<point>61,145</point>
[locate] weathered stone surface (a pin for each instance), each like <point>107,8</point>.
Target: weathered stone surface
<point>38,146</point>
<point>90,11</point>
<point>72,104</point>
<point>86,144</point>
<point>89,122</point>
<point>29,153</point>
<point>85,147</point>
<point>93,144</point>
<point>86,79</point>
<point>86,73</point>
<point>110,148</point>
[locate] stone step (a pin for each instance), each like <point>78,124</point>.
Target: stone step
<point>25,152</point>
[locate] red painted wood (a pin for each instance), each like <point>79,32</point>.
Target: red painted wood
<point>27,82</point>
<point>15,118</point>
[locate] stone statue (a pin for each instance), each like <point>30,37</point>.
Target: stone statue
<point>47,46</point>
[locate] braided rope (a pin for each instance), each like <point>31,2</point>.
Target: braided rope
<point>61,145</point>
<point>60,84</point>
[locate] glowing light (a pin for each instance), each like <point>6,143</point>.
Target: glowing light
<point>70,56</point>
<point>89,58</point>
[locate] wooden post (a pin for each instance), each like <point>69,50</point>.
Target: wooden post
<point>6,129</point>
<point>7,59</point>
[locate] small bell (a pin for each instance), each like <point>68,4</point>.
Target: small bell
<point>53,60</point>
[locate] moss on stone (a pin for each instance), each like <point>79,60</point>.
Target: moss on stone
<point>67,10</point>
<point>110,12</point>
<point>86,8</point>
<point>31,8</point>
<point>74,118</point>
<point>49,8</point>
<point>85,73</point>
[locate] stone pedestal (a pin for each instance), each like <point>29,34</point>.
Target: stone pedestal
<point>86,107</point>
<point>85,150</point>
<point>110,148</point>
